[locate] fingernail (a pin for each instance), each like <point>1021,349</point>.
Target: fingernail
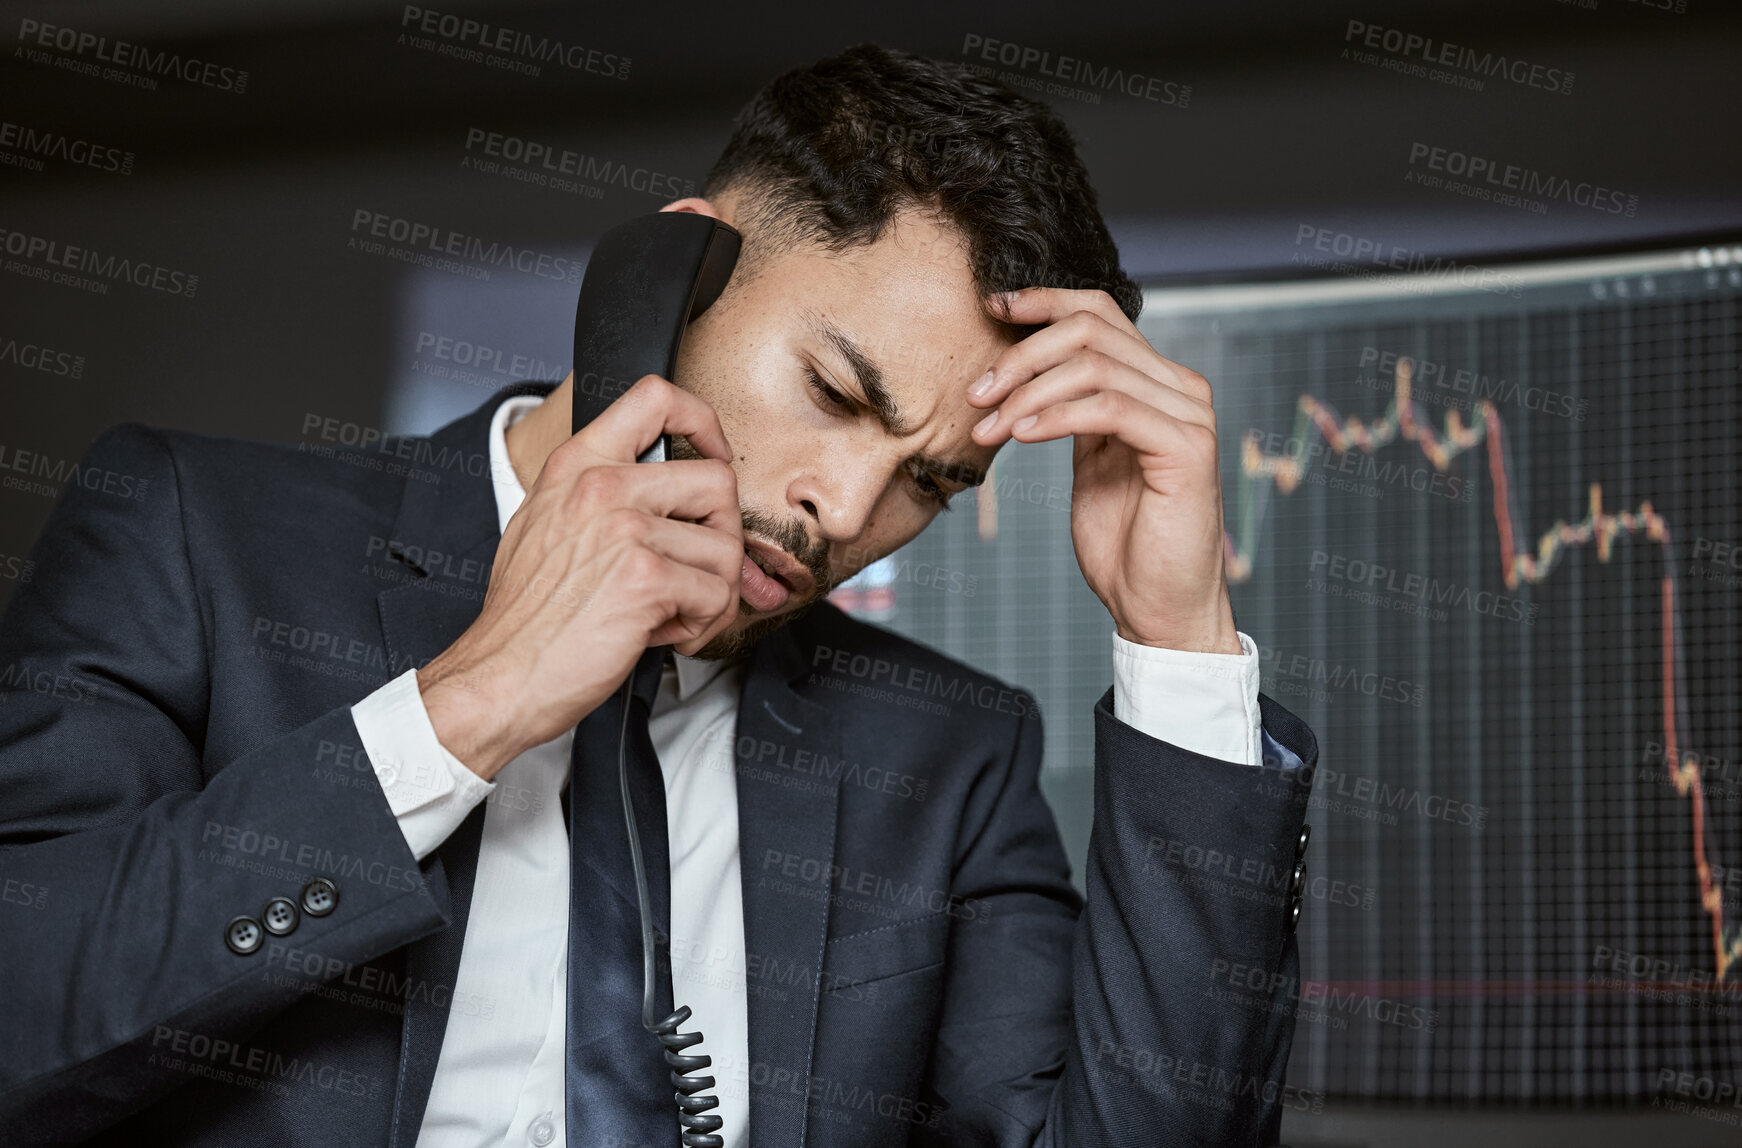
<point>1024,423</point>
<point>982,385</point>
<point>986,423</point>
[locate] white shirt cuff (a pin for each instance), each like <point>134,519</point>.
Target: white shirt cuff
<point>429,790</point>
<point>1207,703</point>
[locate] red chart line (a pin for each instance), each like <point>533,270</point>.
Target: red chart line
<point>1286,472</point>
<point>1529,988</point>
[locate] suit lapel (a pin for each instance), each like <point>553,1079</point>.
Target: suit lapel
<point>453,516</point>
<point>784,930</point>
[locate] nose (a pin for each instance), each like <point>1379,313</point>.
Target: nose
<point>840,493</point>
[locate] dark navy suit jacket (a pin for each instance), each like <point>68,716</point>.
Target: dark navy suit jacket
<point>176,750</point>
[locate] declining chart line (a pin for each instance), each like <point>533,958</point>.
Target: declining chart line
<point>1260,470</point>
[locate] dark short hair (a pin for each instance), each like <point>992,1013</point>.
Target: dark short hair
<point>830,153</point>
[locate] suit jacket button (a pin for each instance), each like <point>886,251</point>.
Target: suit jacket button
<point>1298,881</point>
<point>319,897</point>
<point>279,916</point>
<point>243,935</point>
<point>1293,914</point>
<point>1306,831</point>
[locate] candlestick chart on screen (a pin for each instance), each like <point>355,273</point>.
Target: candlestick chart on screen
<point>1389,490</point>
<point>1403,424</point>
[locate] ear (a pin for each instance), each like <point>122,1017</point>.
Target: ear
<point>695,205</point>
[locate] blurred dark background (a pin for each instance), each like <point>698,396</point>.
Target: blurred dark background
<point>254,186</point>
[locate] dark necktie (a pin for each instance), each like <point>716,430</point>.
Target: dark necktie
<point>618,1088</point>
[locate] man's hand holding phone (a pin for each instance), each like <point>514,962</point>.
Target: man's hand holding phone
<point>604,559</point>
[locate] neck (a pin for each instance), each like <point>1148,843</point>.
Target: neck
<point>546,427</point>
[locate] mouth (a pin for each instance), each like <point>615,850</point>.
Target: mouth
<point>771,577</point>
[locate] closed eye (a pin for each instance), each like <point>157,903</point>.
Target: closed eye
<point>928,487</point>
<point>826,395</point>
<point>924,486</point>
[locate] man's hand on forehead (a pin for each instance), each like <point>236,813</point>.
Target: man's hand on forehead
<point>1146,499</point>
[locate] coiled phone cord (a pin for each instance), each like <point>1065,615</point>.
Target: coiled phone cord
<point>698,1126</point>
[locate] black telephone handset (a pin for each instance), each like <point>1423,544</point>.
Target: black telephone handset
<point>647,278</point>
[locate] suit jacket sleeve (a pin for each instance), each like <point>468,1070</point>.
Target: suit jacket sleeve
<point>137,849</point>
<point>1123,1026</point>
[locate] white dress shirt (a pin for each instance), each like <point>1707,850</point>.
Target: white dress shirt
<point>499,1079</point>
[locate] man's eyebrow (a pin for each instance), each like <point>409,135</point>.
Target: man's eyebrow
<point>868,374</point>
<point>870,377</point>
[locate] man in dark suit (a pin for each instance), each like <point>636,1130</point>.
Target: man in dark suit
<point>309,848</point>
